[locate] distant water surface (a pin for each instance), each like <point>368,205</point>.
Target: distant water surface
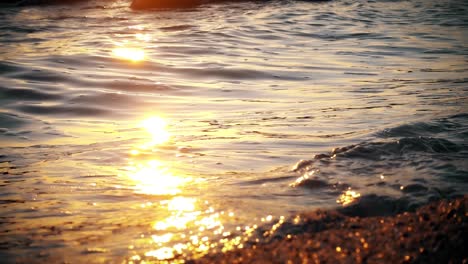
<point>165,135</point>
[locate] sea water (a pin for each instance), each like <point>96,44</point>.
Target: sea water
<point>164,135</point>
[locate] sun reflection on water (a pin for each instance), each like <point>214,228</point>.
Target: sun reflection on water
<point>348,197</point>
<point>157,128</point>
<point>152,177</point>
<point>131,54</point>
<point>132,48</point>
<point>143,37</point>
<point>198,225</point>
<point>184,225</point>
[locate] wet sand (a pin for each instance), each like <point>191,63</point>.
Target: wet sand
<point>435,233</point>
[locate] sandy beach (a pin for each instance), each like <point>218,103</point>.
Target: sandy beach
<point>435,233</point>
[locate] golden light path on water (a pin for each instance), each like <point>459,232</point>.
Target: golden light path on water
<point>188,227</point>
<point>156,126</point>
<point>192,226</point>
<point>152,176</point>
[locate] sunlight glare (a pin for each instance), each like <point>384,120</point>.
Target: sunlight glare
<point>161,253</point>
<point>156,126</point>
<point>143,37</point>
<point>162,238</point>
<point>131,54</point>
<point>153,178</point>
<point>348,197</point>
<point>181,204</point>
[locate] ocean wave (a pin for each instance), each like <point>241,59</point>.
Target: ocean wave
<point>410,171</point>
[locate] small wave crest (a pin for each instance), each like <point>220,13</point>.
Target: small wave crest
<point>405,167</point>
<point>452,126</point>
<point>403,146</point>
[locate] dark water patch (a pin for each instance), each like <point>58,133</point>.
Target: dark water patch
<point>382,150</point>
<point>26,128</point>
<point>9,201</point>
<point>62,17</point>
<point>186,50</point>
<point>12,39</point>
<point>372,90</point>
<point>429,36</point>
<point>225,73</point>
<point>105,99</point>
<point>93,7</point>
<point>446,51</point>
<point>296,136</point>
<point>7,67</point>
<point>267,180</point>
<point>268,37</point>
<point>8,120</point>
<point>22,134</point>
<point>399,49</point>
<point>434,70</point>
<point>176,28</point>
<point>63,110</point>
<point>361,73</point>
<point>100,176</point>
<point>17,28</point>
<point>133,86</point>
<point>455,174</point>
<point>452,127</point>
<point>370,53</point>
<point>39,75</point>
<point>47,3</point>
<point>414,188</point>
<point>464,80</point>
<point>335,36</point>
<point>7,94</point>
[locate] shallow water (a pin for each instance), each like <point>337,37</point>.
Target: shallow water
<point>254,111</point>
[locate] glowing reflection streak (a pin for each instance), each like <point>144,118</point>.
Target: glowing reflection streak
<point>143,37</point>
<point>181,204</point>
<point>131,54</point>
<point>206,228</point>
<point>205,232</point>
<point>131,49</point>
<point>161,253</point>
<point>157,128</point>
<point>162,238</point>
<point>188,230</point>
<point>348,197</point>
<point>155,179</point>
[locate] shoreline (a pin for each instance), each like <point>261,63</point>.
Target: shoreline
<point>434,233</point>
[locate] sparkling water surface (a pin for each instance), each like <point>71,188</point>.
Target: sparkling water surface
<point>164,135</point>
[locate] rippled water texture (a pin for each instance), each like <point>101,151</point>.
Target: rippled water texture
<point>165,135</point>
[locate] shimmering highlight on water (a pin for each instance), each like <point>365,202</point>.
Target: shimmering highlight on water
<point>131,54</point>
